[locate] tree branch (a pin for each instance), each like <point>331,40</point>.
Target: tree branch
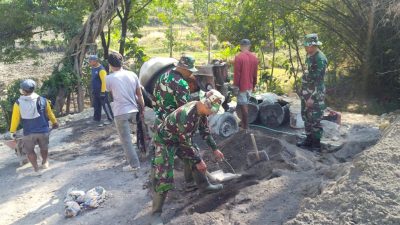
<point>141,8</point>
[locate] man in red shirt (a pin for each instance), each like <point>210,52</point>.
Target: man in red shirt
<point>245,78</point>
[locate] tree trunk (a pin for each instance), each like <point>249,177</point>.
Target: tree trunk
<point>73,101</point>
<point>209,46</point>
<point>171,39</point>
<point>124,17</point>
<point>273,48</point>
<point>104,44</point>
<point>68,108</point>
<point>366,69</point>
<point>86,37</point>
<point>60,101</point>
<point>209,34</point>
<point>45,6</point>
<point>124,28</point>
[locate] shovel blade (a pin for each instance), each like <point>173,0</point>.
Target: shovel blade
<point>220,176</point>
<point>252,157</point>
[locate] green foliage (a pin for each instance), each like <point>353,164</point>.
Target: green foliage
<point>272,83</point>
<point>23,22</point>
<point>63,76</point>
<point>227,51</point>
<point>170,13</point>
<point>133,50</point>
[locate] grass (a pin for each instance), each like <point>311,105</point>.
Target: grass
<point>188,41</point>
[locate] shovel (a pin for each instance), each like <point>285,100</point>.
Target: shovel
<point>253,157</point>
<point>221,176</point>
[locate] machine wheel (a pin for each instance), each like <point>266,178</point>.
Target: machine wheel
<point>227,125</point>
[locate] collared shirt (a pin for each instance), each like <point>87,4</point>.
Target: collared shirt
<point>245,71</point>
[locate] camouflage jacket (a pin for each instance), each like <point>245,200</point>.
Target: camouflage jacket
<point>313,79</point>
<point>179,127</point>
<point>170,92</point>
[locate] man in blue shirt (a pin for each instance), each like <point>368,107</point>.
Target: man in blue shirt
<point>100,97</point>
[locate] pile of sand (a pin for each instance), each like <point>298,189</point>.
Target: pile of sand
<point>368,193</point>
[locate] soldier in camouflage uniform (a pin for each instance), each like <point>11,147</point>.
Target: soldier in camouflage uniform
<point>313,93</point>
<point>172,88</point>
<point>171,91</point>
<point>174,137</point>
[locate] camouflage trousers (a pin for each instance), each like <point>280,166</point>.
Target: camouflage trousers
<point>163,164</point>
<point>312,119</point>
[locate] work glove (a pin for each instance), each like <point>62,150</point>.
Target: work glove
<point>10,136</point>
<point>55,126</point>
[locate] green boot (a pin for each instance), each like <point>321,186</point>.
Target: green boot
<point>158,202</point>
<point>204,185</point>
<point>187,171</point>
<point>188,174</point>
<point>316,145</point>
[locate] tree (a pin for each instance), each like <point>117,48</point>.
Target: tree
<point>170,13</point>
<point>21,21</point>
<point>205,14</point>
<point>87,36</point>
<point>132,15</point>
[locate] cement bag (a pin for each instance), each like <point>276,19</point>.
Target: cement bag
<point>94,197</point>
<point>151,67</point>
<point>72,209</point>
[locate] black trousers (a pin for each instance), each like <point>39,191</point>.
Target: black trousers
<point>100,102</point>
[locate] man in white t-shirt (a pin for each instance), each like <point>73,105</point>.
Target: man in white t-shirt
<point>128,101</point>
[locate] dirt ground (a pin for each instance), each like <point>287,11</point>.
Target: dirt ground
<point>293,187</point>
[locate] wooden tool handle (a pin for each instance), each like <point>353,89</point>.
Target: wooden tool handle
<point>255,146</point>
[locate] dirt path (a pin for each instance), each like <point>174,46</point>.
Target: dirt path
<point>83,157</point>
